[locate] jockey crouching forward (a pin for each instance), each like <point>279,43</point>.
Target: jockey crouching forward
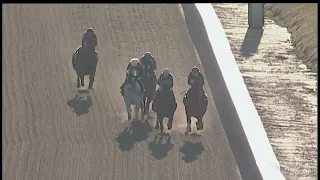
<point>89,41</point>
<point>134,64</point>
<point>148,59</point>
<point>165,82</point>
<point>196,81</point>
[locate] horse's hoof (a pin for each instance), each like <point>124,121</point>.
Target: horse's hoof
<point>169,126</point>
<point>90,87</point>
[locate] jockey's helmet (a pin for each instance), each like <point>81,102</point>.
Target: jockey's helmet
<point>89,30</point>
<point>134,62</point>
<point>147,55</point>
<point>165,73</point>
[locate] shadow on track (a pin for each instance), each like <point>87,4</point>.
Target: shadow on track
<point>191,151</point>
<point>160,146</point>
<point>251,42</point>
<point>81,102</point>
<point>139,132</point>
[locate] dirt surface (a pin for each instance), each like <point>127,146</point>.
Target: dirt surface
<point>281,88</point>
<point>51,134</point>
<point>301,21</point>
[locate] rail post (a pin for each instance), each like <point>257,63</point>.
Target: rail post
<point>256,15</point>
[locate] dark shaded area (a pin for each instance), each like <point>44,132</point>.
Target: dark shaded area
<point>81,104</point>
<point>138,132</point>
<point>227,112</point>
<point>191,151</point>
<point>160,146</point>
<point>251,42</point>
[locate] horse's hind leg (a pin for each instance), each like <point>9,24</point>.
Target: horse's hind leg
<point>199,123</point>
<point>82,80</point>
<point>171,117</point>
<point>188,123</point>
<point>91,78</point>
<point>93,73</point>
<point>128,108</point>
<point>160,123</point>
<point>147,106</point>
<point>78,82</point>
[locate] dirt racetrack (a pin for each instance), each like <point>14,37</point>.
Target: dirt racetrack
<point>49,133</point>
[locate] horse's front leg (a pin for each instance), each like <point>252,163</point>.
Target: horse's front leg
<point>82,80</point>
<point>78,81</point>
<point>136,111</point>
<point>128,108</point>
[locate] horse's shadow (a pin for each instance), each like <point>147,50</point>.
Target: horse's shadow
<point>191,151</point>
<point>81,102</point>
<point>139,131</point>
<point>160,146</point>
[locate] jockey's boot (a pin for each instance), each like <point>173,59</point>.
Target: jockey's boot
<point>122,87</point>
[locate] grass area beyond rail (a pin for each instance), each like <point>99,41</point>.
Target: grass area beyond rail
<point>301,21</point>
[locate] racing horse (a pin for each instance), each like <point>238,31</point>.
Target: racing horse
<point>85,63</point>
<point>132,96</point>
<point>195,106</point>
<point>164,105</point>
<point>150,83</point>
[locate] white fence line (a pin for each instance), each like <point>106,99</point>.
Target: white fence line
<point>264,156</point>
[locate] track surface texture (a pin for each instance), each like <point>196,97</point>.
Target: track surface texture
<point>281,87</point>
<point>301,21</point>
<point>51,134</point>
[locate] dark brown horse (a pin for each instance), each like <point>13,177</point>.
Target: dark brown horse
<point>85,63</point>
<point>164,105</point>
<point>150,84</point>
<point>195,106</point>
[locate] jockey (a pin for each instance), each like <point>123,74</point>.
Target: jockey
<point>89,40</point>
<point>134,64</point>
<point>196,80</point>
<point>165,80</point>
<point>148,59</point>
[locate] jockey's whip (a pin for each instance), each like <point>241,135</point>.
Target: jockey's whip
<point>184,91</point>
